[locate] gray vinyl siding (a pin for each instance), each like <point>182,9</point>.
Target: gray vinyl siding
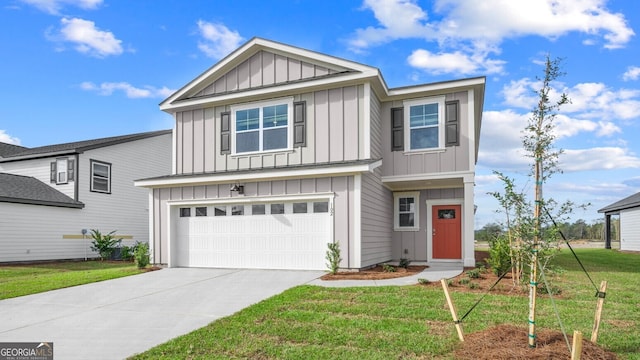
<point>264,69</point>
<point>415,242</point>
<point>334,129</point>
<point>376,127</point>
<point>377,220</point>
<point>343,215</point>
<point>452,159</point>
<point>38,232</point>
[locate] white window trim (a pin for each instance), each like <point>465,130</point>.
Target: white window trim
<point>59,162</point>
<point>440,100</point>
<point>288,101</point>
<point>396,211</point>
<point>108,165</point>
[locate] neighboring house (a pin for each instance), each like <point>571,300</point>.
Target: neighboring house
<point>629,211</point>
<point>49,194</point>
<point>280,150</point>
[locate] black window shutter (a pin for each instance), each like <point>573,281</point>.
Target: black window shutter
<point>225,133</point>
<point>71,169</point>
<point>300,124</point>
<point>53,172</point>
<point>452,134</point>
<point>397,129</point>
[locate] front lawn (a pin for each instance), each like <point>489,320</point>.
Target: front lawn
<point>413,322</point>
<point>20,280</point>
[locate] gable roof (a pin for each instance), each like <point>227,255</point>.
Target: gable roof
<point>78,146</point>
<point>10,149</point>
<point>28,190</point>
<point>626,203</point>
<point>338,70</point>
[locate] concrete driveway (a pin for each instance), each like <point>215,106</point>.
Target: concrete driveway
<point>118,318</point>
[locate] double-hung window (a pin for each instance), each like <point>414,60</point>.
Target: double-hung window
<point>405,212</point>
<point>424,119</point>
<point>100,177</point>
<point>262,126</point>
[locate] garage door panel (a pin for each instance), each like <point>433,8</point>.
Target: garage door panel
<point>282,241</point>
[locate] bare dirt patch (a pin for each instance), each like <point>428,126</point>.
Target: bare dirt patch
<point>510,342</point>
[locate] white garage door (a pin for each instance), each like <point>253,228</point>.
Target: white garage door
<point>290,235</point>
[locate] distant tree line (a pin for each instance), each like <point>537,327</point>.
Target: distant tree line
<point>578,230</point>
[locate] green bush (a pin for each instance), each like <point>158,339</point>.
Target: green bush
<point>333,257</point>
<point>404,263</point>
<point>499,255</point>
<point>104,244</point>
<point>141,255</point>
<point>423,281</point>
<point>388,268</point>
<point>474,274</point>
<point>126,253</point>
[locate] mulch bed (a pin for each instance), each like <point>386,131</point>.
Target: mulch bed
<point>375,273</point>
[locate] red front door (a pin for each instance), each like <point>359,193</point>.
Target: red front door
<point>446,238</point>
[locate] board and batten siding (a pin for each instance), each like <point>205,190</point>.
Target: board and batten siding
<point>264,68</point>
<point>36,232</point>
<point>377,220</point>
<point>376,127</point>
<point>41,170</point>
<point>452,159</point>
<point>334,126</point>
<point>415,242</point>
<point>343,211</point>
<point>630,229</point>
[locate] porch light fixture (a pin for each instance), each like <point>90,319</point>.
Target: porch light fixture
<point>238,188</point>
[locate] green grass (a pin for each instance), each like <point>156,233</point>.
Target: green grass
<point>413,322</point>
<point>20,280</point>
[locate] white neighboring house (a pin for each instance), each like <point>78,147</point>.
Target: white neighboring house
<point>629,211</point>
<point>49,194</point>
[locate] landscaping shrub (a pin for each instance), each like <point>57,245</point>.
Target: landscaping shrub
<point>104,244</point>
<point>499,255</point>
<point>141,254</point>
<point>333,257</point>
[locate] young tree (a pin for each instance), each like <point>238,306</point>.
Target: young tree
<point>538,143</point>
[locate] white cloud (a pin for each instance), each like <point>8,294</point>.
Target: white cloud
<point>217,40</point>
<point>598,158</point>
<point>632,73</point>
<point>8,139</point>
<point>132,92</point>
<point>455,62</point>
<point>54,6</point>
<point>88,39</point>
<point>478,28</point>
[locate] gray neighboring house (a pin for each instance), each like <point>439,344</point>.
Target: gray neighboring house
<point>49,194</point>
<point>629,211</point>
<point>280,150</point>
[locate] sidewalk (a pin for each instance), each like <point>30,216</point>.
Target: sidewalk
<point>432,273</point>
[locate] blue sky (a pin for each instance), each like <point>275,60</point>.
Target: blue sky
<point>80,69</point>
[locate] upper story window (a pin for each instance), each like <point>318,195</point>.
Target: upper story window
<point>424,121</point>
<point>62,171</point>
<point>262,127</point>
<point>100,177</point>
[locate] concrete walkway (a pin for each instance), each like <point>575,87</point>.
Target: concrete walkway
<point>118,318</point>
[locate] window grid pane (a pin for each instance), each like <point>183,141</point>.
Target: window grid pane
<point>201,211</point>
<point>406,211</point>
<point>321,207</point>
<point>237,210</point>
<point>299,208</point>
<point>220,211</point>
<point>258,209</point>
<point>277,208</point>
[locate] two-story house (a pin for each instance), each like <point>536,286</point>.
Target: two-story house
<point>280,150</point>
<point>50,194</point>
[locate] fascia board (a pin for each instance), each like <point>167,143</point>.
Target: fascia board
<point>258,176</point>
